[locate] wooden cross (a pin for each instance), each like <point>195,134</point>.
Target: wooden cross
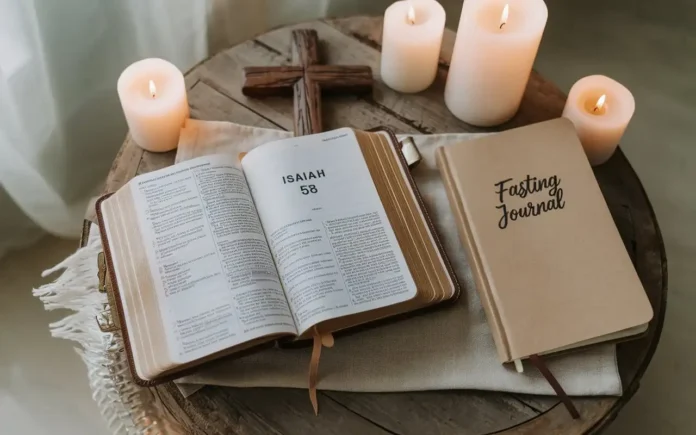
<point>306,80</point>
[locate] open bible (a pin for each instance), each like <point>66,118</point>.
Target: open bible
<point>303,236</point>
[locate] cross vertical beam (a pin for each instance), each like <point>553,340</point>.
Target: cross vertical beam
<point>306,79</point>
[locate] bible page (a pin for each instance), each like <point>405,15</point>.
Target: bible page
<point>215,279</point>
<point>328,231</point>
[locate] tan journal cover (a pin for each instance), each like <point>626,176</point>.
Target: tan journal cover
<point>559,277</point>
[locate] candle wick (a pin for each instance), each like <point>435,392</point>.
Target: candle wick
<point>501,26</point>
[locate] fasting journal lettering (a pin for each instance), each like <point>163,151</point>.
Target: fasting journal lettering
<point>550,197</point>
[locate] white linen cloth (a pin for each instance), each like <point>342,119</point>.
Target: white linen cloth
<point>450,348</point>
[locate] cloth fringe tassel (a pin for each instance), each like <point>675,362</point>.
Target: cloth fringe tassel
<point>121,403</point>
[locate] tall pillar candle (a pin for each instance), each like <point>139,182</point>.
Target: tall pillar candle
<point>153,98</point>
<point>411,40</point>
<point>600,108</point>
<point>497,41</point>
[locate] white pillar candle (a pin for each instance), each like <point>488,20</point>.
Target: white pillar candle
<point>411,40</point>
<point>153,97</point>
<point>600,108</point>
<point>497,41</point>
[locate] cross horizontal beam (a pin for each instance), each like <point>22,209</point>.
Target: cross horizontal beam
<point>270,81</point>
<point>306,81</point>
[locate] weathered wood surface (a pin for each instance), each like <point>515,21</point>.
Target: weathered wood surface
<point>306,78</point>
<point>215,94</point>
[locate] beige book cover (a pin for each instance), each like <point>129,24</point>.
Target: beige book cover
<point>551,269</point>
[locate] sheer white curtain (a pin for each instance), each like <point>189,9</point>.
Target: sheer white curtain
<point>60,119</point>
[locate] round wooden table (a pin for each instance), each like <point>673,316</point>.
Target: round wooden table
<point>214,90</point>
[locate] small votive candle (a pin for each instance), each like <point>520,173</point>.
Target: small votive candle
<point>600,108</point>
<point>411,41</point>
<point>153,98</point>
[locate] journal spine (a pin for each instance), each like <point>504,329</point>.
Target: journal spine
<point>454,195</point>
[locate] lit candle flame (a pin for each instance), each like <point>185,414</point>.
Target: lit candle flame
<point>600,103</point>
<point>153,89</point>
<point>504,16</point>
<point>411,16</point>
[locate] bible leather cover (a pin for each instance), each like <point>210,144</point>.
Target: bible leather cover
<point>421,206</point>
<point>118,312</point>
<point>115,296</point>
<point>549,264</point>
